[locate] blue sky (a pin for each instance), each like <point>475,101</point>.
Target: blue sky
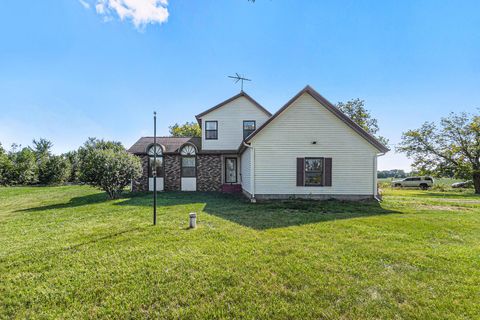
<point>72,69</point>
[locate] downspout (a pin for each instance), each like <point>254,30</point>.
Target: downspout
<point>375,180</point>
<point>252,173</point>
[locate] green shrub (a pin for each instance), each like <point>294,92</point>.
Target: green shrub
<point>6,166</point>
<point>110,169</point>
<point>54,170</point>
<point>24,168</point>
<point>73,159</point>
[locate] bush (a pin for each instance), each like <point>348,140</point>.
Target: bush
<point>108,169</point>
<point>6,166</point>
<point>24,168</point>
<point>54,170</point>
<point>73,160</point>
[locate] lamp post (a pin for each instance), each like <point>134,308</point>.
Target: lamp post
<point>154,168</point>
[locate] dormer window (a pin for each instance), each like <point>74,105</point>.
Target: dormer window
<point>248,127</point>
<point>211,130</point>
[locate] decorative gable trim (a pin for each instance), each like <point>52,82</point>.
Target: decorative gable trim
<point>327,104</point>
<point>241,94</point>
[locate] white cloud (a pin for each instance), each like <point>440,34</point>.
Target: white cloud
<point>85,4</point>
<point>140,12</point>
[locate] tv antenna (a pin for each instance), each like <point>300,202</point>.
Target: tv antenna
<point>238,78</point>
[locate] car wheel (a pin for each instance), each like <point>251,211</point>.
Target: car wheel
<point>423,187</point>
<point>398,185</point>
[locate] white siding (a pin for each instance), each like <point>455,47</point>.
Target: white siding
<point>290,136</point>
<point>230,119</point>
<point>245,165</point>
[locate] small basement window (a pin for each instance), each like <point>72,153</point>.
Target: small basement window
<point>211,130</point>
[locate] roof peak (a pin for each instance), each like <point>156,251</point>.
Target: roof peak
<point>238,95</point>
<point>320,99</point>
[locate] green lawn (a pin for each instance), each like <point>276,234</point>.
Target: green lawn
<point>68,252</point>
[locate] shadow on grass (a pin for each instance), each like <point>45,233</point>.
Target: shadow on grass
<point>237,209</point>
<point>74,202</point>
<point>105,237</point>
<point>266,215</point>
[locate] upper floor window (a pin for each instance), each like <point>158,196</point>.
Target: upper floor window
<point>211,130</point>
<point>248,128</point>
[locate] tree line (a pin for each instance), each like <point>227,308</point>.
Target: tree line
<point>99,163</point>
<point>450,148</point>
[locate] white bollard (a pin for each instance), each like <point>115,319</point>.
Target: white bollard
<point>193,220</point>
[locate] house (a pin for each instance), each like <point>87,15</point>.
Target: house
<point>307,149</point>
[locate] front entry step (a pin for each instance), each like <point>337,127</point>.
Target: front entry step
<point>231,188</point>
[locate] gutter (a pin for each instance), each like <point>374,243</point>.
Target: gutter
<point>252,173</point>
<point>375,190</point>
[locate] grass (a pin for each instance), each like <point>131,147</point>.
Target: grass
<point>68,252</point>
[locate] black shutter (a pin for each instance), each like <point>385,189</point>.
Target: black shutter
<point>328,172</point>
<point>300,172</point>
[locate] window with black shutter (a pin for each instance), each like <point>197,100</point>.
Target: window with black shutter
<point>314,172</point>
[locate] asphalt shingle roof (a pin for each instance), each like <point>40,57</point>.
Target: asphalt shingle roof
<point>171,144</point>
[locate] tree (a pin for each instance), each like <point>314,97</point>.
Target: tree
<point>73,159</point>
<point>106,166</point>
<point>42,147</point>
<point>450,148</point>
<point>188,129</point>
<point>99,144</point>
<point>88,147</point>
<point>6,166</point>
<point>24,168</point>
<point>55,170</point>
<point>355,110</point>
<point>394,173</point>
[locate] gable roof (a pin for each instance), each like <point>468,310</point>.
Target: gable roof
<point>327,104</point>
<point>241,94</point>
<point>171,144</point>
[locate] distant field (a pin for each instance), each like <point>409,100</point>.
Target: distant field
<point>69,253</point>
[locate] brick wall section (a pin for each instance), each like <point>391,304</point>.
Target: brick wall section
<point>172,172</point>
<point>209,172</point>
<point>141,184</point>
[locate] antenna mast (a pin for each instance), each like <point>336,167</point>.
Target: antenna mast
<point>240,78</point>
